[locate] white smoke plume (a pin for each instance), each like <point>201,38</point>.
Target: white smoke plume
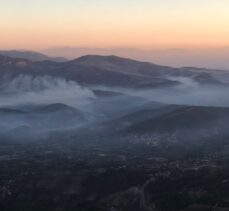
<point>189,92</point>
<point>25,90</point>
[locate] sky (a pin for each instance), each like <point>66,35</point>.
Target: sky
<point>145,24</point>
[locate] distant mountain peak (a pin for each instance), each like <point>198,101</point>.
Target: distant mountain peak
<point>110,58</point>
<point>110,62</point>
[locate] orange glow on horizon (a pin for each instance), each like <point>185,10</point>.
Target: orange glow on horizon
<point>134,24</point>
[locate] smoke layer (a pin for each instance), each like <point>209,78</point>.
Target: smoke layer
<point>25,90</point>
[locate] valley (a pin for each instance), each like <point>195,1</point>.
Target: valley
<point>104,133</point>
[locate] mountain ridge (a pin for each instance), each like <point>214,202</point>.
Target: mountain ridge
<point>107,71</point>
<point>30,55</point>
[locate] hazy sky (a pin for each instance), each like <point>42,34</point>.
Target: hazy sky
<point>38,24</point>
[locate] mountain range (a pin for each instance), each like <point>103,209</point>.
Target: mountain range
<point>213,58</point>
<point>108,71</point>
<point>112,133</point>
